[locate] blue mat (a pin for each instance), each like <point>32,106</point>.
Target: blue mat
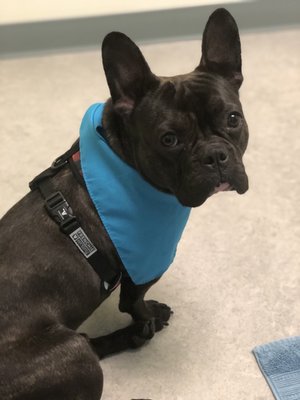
<point>280,364</point>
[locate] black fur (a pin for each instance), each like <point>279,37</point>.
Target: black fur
<point>47,289</point>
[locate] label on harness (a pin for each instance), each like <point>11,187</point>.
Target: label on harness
<point>83,243</point>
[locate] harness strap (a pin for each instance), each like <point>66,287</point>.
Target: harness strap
<point>56,166</point>
<point>60,211</point>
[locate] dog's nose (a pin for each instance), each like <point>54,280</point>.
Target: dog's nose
<point>216,157</point>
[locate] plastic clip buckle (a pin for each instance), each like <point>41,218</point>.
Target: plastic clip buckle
<point>110,287</point>
<point>59,209</point>
<point>58,163</point>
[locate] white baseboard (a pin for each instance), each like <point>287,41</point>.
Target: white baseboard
<point>146,26</point>
<point>29,11</point>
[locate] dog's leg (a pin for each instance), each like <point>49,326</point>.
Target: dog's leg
<point>149,317</point>
<point>131,337</point>
<point>132,301</point>
<point>53,364</point>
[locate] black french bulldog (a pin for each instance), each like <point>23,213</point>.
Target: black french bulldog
<point>186,136</point>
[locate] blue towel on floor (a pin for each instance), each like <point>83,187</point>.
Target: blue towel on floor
<point>280,363</point>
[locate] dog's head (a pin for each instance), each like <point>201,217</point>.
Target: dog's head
<point>186,134</point>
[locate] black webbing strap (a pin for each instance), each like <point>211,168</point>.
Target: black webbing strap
<point>60,211</point>
<point>56,166</point>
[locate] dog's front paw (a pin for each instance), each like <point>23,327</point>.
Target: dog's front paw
<point>143,331</point>
<point>161,313</point>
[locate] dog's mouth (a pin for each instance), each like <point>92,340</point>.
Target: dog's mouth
<point>203,195</point>
<point>239,185</point>
<point>222,187</point>
<point>195,198</point>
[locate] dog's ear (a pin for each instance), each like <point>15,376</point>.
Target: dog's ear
<point>128,74</point>
<point>221,47</point>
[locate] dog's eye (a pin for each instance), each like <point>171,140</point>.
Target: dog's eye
<point>234,120</point>
<point>169,140</point>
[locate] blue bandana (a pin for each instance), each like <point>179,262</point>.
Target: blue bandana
<point>144,223</point>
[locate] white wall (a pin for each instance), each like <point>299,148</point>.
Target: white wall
<point>18,11</point>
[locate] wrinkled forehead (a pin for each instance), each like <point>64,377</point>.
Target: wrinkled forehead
<point>196,92</point>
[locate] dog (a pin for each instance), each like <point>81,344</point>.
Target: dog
<point>63,248</point>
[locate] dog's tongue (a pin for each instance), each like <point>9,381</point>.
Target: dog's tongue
<point>222,187</point>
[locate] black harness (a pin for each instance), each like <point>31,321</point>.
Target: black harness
<point>60,211</point>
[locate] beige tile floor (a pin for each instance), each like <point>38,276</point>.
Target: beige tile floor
<point>236,280</point>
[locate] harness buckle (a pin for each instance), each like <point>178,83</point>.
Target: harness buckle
<point>110,287</point>
<point>59,162</point>
<point>59,209</point>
